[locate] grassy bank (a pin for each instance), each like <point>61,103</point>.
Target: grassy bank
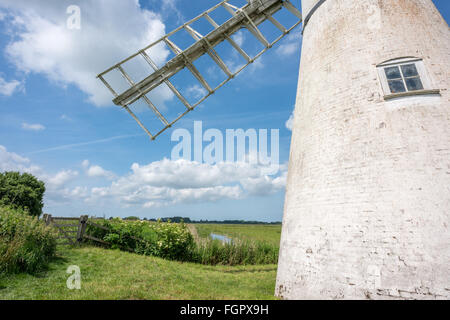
<point>113,274</point>
<point>180,242</point>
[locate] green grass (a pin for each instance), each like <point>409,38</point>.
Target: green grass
<point>113,274</point>
<point>267,233</point>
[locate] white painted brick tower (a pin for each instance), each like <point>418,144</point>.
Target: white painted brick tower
<point>367,209</point>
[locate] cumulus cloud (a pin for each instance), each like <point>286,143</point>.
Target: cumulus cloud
<point>7,88</point>
<point>56,184</point>
<point>168,182</point>
<point>33,127</point>
<point>157,184</point>
<point>290,122</point>
<point>170,7</point>
<point>257,65</point>
<point>239,38</point>
<point>10,161</point>
<point>85,164</point>
<point>290,45</point>
<point>196,91</point>
<point>61,178</point>
<point>110,31</point>
<point>264,185</point>
<point>96,171</point>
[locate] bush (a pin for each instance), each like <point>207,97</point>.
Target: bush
<point>22,191</point>
<point>174,241</point>
<point>166,240</point>
<point>26,244</point>
<point>132,218</point>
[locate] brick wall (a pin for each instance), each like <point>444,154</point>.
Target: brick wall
<point>368,195</point>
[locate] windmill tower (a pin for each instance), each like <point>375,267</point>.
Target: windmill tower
<point>368,195</point>
<point>367,209</point>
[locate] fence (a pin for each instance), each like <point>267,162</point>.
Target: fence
<point>73,230</point>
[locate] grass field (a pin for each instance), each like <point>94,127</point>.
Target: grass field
<point>268,233</point>
<point>113,274</point>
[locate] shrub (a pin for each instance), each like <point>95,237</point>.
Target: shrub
<point>22,191</point>
<point>174,241</point>
<point>26,244</point>
<point>166,240</point>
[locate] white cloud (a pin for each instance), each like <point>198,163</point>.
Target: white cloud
<point>264,185</point>
<point>290,122</point>
<point>33,127</point>
<point>170,7</point>
<point>157,184</point>
<point>291,44</point>
<point>61,178</point>
<point>168,182</point>
<point>97,171</point>
<point>78,193</point>
<point>10,161</point>
<point>8,88</point>
<point>257,65</point>
<point>85,164</point>
<point>288,49</point>
<point>239,38</point>
<point>110,31</point>
<point>56,189</point>
<point>196,91</point>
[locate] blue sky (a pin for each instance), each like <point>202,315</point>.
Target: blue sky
<point>58,123</point>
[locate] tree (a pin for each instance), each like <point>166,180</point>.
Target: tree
<point>132,218</point>
<point>22,191</point>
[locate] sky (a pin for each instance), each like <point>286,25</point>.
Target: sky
<point>57,120</point>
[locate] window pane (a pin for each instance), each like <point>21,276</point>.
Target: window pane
<point>409,70</point>
<point>414,84</point>
<point>393,73</point>
<point>396,86</point>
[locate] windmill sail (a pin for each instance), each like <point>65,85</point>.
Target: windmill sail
<point>249,16</point>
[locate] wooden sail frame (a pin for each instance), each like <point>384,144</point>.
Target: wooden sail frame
<point>249,16</point>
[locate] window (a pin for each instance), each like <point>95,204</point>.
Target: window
<point>405,76</point>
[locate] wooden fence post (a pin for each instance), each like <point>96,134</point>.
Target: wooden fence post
<point>82,228</point>
<point>47,219</point>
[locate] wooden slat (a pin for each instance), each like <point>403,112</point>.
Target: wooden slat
<point>104,242</point>
<point>70,239</point>
<point>194,52</point>
<point>65,225</point>
<point>65,244</point>
<point>95,239</point>
<point>67,236</point>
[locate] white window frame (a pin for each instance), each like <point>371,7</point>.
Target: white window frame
<point>425,79</point>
